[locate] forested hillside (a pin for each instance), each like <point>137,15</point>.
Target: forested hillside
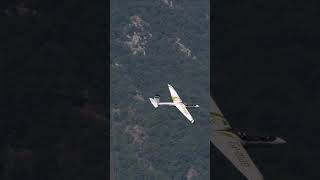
<point>154,43</point>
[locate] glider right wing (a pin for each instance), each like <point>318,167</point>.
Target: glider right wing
<point>229,144</point>
<point>182,108</point>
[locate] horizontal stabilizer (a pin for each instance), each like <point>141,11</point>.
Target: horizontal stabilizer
<point>155,101</point>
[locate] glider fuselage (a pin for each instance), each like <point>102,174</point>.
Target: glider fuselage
<point>167,103</point>
<point>176,101</point>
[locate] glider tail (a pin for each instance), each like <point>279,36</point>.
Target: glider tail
<point>155,101</point>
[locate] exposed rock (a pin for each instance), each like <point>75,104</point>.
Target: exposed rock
<point>115,65</point>
<point>136,35</point>
<point>131,110</point>
<point>137,22</point>
<point>138,133</point>
<point>182,48</point>
<point>115,111</point>
<point>138,97</point>
<point>168,3</point>
<point>191,173</point>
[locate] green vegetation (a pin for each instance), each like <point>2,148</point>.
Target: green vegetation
<point>172,145</point>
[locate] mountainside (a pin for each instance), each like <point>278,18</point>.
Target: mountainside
<point>154,43</point>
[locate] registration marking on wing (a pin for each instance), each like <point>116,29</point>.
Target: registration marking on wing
<point>239,154</point>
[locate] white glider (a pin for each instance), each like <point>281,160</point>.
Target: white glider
<point>232,144</point>
<point>176,101</point>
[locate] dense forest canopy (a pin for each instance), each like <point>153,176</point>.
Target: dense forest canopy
<point>154,43</point>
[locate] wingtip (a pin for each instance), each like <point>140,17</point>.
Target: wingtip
<point>280,140</point>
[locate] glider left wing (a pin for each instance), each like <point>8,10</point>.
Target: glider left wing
<point>174,95</point>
